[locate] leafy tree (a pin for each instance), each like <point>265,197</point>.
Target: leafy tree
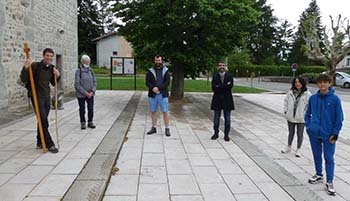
<point>192,34</point>
<point>298,54</point>
<point>261,36</point>
<point>336,47</point>
<point>284,37</point>
<point>93,19</point>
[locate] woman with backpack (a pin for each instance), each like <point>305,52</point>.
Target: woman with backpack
<point>295,105</point>
<point>85,87</point>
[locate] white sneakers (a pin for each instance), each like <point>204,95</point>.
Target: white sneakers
<point>288,149</point>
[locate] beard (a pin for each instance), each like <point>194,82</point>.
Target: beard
<point>159,64</point>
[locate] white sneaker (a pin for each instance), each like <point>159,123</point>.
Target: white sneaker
<point>316,179</point>
<point>286,150</point>
<point>330,188</point>
<point>297,154</point>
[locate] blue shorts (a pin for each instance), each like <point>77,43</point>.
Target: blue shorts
<point>158,100</point>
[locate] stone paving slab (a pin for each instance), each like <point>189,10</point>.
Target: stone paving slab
<point>28,174</point>
<point>188,165</point>
<point>184,167</point>
<point>99,166</point>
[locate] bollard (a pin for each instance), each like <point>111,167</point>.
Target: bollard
<point>252,75</point>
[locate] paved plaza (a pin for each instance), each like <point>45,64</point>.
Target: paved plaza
<point>187,166</point>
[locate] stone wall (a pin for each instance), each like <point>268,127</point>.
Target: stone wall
<point>49,23</point>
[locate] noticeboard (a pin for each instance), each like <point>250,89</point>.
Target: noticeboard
<point>117,65</point>
<point>122,65</point>
<point>129,66</point>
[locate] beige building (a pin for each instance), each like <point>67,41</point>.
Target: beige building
<point>109,45</point>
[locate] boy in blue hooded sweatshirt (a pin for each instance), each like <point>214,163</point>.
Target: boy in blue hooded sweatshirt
<point>323,121</point>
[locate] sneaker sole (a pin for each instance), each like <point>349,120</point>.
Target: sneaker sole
<point>316,182</point>
<point>332,194</point>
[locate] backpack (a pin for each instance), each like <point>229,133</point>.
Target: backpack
<point>92,73</point>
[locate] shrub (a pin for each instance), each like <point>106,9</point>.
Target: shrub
<point>268,70</point>
<point>310,77</point>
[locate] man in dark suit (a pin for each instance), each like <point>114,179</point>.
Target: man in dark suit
<point>222,84</point>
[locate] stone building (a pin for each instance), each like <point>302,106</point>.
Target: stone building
<point>41,23</point>
<point>111,44</point>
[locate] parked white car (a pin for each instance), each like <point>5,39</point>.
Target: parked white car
<point>342,79</point>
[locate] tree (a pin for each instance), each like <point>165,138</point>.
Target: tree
<point>93,19</point>
<point>192,35</point>
<point>337,47</point>
<point>284,37</point>
<point>298,54</point>
<point>261,36</point>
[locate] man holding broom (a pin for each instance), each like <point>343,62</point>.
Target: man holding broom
<point>44,73</point>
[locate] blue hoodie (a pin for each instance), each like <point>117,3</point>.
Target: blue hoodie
<point>324,115</point>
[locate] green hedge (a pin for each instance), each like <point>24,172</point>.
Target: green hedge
<point>273,70</point>
<point>107,71</point>
<point>101,70</point>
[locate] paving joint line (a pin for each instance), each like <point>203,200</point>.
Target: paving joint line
<point>92,181</point>
<point>275,171</point>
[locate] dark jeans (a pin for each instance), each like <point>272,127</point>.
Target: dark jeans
<point>227,116</point>
<point>300,131</point>
<point>44,109</point>
<point>90,106</point>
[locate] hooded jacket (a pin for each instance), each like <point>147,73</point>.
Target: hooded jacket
<point>85,81</point>
<point>301,107</point>
<point>151,82</point>
<point>324,115</point>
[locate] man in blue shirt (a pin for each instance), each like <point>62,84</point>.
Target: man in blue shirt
<point>157,81</point>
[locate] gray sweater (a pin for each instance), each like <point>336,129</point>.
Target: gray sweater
<point>85,81</point>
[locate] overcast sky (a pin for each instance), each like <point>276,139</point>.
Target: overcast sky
<point>292,9</point>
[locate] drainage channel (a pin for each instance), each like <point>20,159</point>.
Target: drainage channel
<point>92,181</point>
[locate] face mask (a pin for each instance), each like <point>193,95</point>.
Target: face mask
<point>86,66</point>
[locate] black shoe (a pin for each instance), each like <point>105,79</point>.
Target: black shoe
<point>53,149</point>
<point>91,125</point>
<point>167,132</point>
<point>215,136</point>
<point>39,146</point>
<point>227,138</point>
<point>153,130</point>
<point>83,125</point>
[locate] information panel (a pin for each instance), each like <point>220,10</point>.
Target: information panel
<point>117,65</point>
<point>129,66</point>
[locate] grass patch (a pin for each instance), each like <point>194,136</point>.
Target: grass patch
<point>127,83</point>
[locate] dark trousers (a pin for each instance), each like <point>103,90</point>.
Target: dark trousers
<point>90,106</point>
<point>227,116</point>
<point>300,131</point>
<point>44,110</point>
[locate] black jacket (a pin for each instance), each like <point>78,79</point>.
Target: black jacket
<point>222,97</point>
<point>43,76</point>
<point>151,82</point>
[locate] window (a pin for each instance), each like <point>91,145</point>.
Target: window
<point>347,62</point>
<point>115,53</point>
